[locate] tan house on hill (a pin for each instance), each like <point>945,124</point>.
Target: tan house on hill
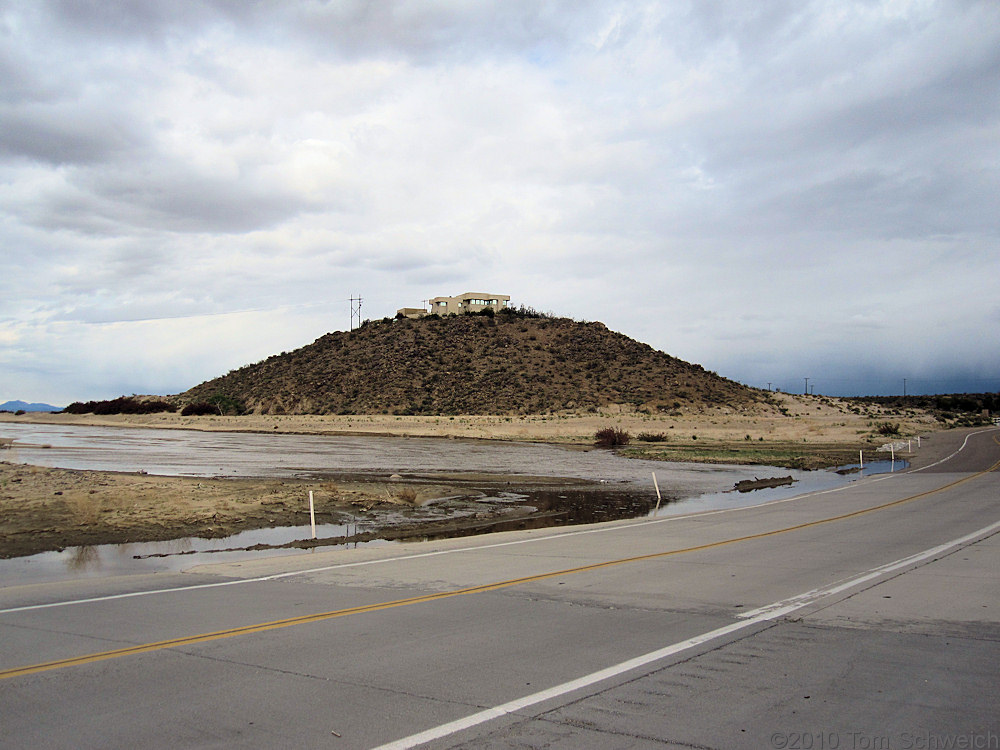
<point>470,302</point>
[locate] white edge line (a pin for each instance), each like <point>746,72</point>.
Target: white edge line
<point>764,614</point>
<point>384,560</point>
<point>837,587</point>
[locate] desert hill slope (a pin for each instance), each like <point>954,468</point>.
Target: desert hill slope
<point>470,364</point>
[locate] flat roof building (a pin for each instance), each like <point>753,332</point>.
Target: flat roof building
<point>469,302</point>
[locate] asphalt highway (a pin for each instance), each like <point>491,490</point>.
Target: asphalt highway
<point>862,617</point>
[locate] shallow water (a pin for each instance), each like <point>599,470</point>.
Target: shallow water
<point>627,485</point>
<point>232,454</point>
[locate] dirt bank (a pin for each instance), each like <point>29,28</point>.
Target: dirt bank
<point>43,509</point>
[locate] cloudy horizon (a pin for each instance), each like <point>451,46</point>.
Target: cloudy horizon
<point>776,191</point>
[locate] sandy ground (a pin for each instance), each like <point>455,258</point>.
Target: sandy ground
<point>808,419</point>
<point>43,509</point>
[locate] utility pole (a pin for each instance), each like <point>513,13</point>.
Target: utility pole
<point>807,387</point>
<point>904,387</point>
<point>768,387</point>
<point>355,310</point>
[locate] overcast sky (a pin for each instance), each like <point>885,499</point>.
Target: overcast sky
<point>774,190</point>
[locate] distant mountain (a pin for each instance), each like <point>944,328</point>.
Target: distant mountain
<point>471,364</point>
<point>23,406</point>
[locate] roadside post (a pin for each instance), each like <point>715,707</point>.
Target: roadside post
<point>658,498</point>
<point>312,514</point>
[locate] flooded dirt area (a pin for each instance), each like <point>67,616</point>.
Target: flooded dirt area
<point>79,501</point>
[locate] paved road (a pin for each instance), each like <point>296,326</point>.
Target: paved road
<point>865,617</point>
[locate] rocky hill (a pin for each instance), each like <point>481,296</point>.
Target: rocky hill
<point>471,364</point>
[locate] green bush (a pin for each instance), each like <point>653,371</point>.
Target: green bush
<point>227,405</point>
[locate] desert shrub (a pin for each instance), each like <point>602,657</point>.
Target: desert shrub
<point>887,428</point>
<point>406,495</point>
<point>199,408</point>
<point>652,437</point>
<point>120,405</point>
<point>524,311</point>
<point>227,405</point>
<point>611,437</point>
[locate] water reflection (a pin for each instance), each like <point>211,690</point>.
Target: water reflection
<point>82,558</point>
<point>874,467</point>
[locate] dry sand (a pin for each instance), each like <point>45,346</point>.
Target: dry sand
<point>808,419</point>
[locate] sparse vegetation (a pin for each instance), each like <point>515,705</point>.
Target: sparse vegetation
<point>887,428</point>
<point>406,495</point>
<point>611,437</point>
<point>519,361</point>
<point>951,409</point>
<point>786,454</point>
<point>652,437</point>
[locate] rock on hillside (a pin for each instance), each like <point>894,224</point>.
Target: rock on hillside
<point>471,364</point>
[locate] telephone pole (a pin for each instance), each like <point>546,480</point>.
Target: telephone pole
<point>355,310</point>
<point>807,387</point>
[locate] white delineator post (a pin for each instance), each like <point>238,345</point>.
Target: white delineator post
<point>312,514</point>
<point>861,459</point>
<point>658,498</point>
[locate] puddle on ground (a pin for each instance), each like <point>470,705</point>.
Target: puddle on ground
<point>499,511</point>
<point>873,467</point>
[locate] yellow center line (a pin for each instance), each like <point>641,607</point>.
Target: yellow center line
<point>320,616</point>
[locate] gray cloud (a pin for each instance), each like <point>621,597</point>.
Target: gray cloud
<point>762,188</point>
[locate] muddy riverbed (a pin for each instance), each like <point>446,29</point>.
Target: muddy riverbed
<point>212,495</point>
